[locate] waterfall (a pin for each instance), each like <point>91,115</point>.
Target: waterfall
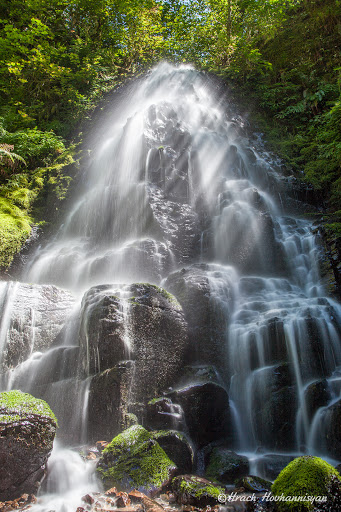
<point>178,180</point>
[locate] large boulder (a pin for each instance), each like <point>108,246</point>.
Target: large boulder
<point>206,310</point>
<point>140,322</point>
<point>27,431</point>
<point>206,410</point>
<point>226,466</point>
<point>134,459</point>
<point>33,316</point>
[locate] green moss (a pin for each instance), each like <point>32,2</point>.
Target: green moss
<point>162,433</point>
<point>196,488</point>
<point>135,459</point>
<point>15,228</point>
<point>156,400</point>
<point>15,406</point>
<point>304,476</point>
<point>167,295</point>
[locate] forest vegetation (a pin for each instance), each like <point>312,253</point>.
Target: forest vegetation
<point>59,58</point>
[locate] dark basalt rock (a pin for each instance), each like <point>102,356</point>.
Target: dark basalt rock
<point>206,410</point>
<point>206,317</point>
<point>226,466</point>
<point>108,401</point>
<point>177,447</point>
<point>317,395</point>
<point>270,465</point>
<point>248,243</point>
<point>139,322</point>
<point>161,413</point>
<point>274,421</point>
<point>27,431</point>
<point>178,223</point>
<point>332,423</point>
<point>37,315</point>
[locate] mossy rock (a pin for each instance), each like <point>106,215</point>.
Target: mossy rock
<point>17,406</point>
<point>304,476</point>
<point>195,490</point>
<point>254,484</point>
<point>134,459</point>
<point>27,431</point>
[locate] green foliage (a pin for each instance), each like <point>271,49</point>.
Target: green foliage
<point>14,230</point>
<point>137,460</point>
<point>57,58</point>
<point>15,406</point>
<point>304,476</point>
<point>35,146</point>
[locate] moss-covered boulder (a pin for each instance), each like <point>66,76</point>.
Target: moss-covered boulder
<point>195,490</point>
<point>304,477</point>
<point>226,466</point>
<point>134,459</point>
<point>27,431</point>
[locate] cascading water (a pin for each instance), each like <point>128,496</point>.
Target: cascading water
<point>178,182</point>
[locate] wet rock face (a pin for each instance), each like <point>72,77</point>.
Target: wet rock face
<point>317,395</point>
<point>226,466</point>
<point>108,400</point>
<point>332,422</point>
<point>169,178</point>
<point>36,315</point>
<point>177,447</point>
<point>275,408</point>
<point>139,322</point>
<point>206,317</point>
<point>271,465</point>
<point>206,411</point>
<point>178,223</point>
<point>27,430</point>
<point>248,243</point>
